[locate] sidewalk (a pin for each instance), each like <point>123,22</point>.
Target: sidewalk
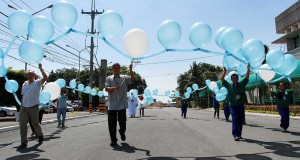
<point>260,114</point>
<point>9,123</point>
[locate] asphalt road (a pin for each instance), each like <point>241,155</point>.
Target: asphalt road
<point>161,134</point>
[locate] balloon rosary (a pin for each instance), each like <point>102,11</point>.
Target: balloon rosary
<point>236,56</point>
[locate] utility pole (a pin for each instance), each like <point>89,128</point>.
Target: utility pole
<point>92,13</point>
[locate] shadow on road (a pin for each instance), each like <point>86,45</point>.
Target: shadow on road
<point>26,157</point>
<point>129,149</point>
<point>279,148</point>
<point>287,132</point>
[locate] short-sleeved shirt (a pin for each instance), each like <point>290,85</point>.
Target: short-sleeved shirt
<point>236,93</point>
<point>62,101</point>
<point>184,102</point>
<point>30,93</point>
<point>282,98</point>
<point>118,100</point>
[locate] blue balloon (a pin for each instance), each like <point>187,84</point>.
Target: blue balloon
<point>3,71</point>
<point>18,22</point>
<point>176,94</point>
<point>218,36</point>
<point>135,92</point>
<point>64,14</point>
<point>93,92</point>
<point>275,58</point>
<point>45,96</point>
<point>41,29</point>
<point>11,86</point>
<point>100,94</point>
<point>169,33</point>
<point>2,54</point>
<point>31,52</point>
<point>187,95</point>
<point>220,97</point>
<point>288,66</point>
<point>80,87</point>
<point>217,90</point>
<point>207,82</point>
<point>253,49</point>
<point>241,69</point>
<point>147,92</point>
<point>155,92</point>
<point>61,82</point>
<point>224,91</point>
<point>200,34</point>
<point>189,90</point>
<point>195,86</point>
<point>110,23</point>
<point>167,93</point>
<point>73,84</point>
<point>232,40</point>
<point>88,89</point>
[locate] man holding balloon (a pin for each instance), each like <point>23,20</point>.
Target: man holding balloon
<point>116,85</point>
<point>30,106</point>
<point>237,98</point>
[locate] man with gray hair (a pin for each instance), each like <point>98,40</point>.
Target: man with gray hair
<point>116,85</point>
<point>30,106</point>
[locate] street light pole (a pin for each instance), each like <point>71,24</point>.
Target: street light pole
<point>79,52</point>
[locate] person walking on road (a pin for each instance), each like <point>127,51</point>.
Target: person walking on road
<point>132,105</point>
<point>216,106</point>
<point>30,106</point>
<point>41,113</point>
<point>226,109</point>
<point>282,98</point>
<point>116,86</point>
<point>237,98</point>
<point>184,106</point>
<point>62,107</point>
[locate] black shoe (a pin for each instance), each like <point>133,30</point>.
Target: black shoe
<point>32,134</point>
<point>123,137</point>
<point>236,139</point>
<point>22,146</point>
<point>41,139</point>
<point>240,137</point>
<point>113,143</point>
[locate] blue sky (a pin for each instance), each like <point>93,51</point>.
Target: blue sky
<point>255,18</point>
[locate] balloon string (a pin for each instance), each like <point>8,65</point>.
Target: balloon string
<point>10,45</point>
<point>60,37</point>
<point>230,54</point>
<point>144,57</point>
<point>278,79</point>
<point>116,49</point>
<point>207,51</point>
<point>15,95</point>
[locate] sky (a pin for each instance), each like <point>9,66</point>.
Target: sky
<point>255,19</point>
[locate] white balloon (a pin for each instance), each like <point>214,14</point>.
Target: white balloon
<point>266,75</point>
<point>54,90</point>
<point>135,42</point>
<point>213,85</point>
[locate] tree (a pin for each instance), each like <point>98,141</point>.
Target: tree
<point>197,73</point>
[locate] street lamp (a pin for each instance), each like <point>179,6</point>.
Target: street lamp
<point>78,74</point>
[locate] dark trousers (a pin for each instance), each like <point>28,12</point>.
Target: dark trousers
<point>142,111</point>
<point>226,112</point>
<point>41,113</point>
<point>237,114</point>
<point>183,111</point>
<point>217,112</point>
<point>113,117</point>
<point>285,117</point>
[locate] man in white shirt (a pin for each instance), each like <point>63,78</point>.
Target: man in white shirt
<point>30,106</point>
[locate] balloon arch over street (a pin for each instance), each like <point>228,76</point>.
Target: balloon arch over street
<point>237,53</point>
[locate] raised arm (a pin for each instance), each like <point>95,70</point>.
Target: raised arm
<point>224,73</point>
<point>248,71</point>
<point>131,73</point>
<point>43,73</point>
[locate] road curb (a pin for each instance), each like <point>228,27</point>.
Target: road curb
<point>15,127</point>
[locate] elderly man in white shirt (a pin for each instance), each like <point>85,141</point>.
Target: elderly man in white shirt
<point>30,106</point>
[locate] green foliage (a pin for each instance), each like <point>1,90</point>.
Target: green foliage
<point>198,73</point>
<point>6,98</point>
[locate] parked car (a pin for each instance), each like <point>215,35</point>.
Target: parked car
<point>70,107</point>
<point>49,108</point>
<point>7,111</point>
<point>76,105</point>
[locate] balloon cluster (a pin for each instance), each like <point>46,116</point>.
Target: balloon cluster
<point>63,14</point>
<point>221,93</point>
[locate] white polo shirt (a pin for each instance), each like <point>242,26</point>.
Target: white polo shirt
<point>31,93</point>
